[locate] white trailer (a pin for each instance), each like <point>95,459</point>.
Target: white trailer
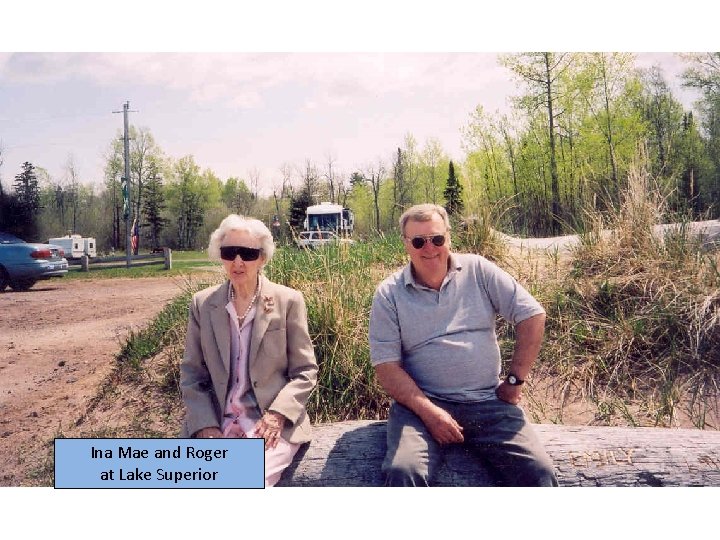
<point>329,217</point>
<point>75,246</point>
<point>90,247</point>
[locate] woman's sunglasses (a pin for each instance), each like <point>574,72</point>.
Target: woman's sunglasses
<point>418,242</point>
<point>228,253</point>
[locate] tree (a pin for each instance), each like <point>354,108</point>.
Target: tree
<point>310,180</point>
<point>254,176</point>
<point>330,178</point>
<point>188,202</point>
<point>27,196</point>
<point>114,168</point>
<point>146,159</point>
<point>72,195</point>
<point>663,114</point>
<point>153,207</point>
<point>237,196</point>
<point>401,184</point>
<point>693,191</point>
<point>375,176</point>
<point>542,73</point>
<point>608,73</point>
<point>704,74</point>
<point>453,193</point>
<point>430,160</point>
<point>298,207</point>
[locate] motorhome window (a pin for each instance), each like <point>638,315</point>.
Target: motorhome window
<point>324,222</point>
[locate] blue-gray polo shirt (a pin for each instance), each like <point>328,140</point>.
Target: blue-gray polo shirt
<point>446,339</point>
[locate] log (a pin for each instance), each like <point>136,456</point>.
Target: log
<point>348,454</point>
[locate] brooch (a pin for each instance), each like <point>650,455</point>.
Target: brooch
<point>268,303</point>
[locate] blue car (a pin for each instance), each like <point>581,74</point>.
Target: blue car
<point>23,264</point>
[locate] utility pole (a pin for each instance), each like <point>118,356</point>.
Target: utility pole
<point>126,182</point>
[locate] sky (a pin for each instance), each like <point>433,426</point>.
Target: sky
<point>251,110</point>
<point>235,112</point>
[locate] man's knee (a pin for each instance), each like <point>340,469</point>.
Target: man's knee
<point>535,472</point>
<point>405,473</point>
<point>543,474</point>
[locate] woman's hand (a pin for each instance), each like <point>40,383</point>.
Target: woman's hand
<point>209,433</point>
<point>269,427</point>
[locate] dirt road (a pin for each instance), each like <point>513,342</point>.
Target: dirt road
<point>57,343</point>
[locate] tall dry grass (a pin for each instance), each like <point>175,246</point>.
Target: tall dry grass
<point>338,283</point>
<point>635,326</point>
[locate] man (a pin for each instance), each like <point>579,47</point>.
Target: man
<point>434,347</point>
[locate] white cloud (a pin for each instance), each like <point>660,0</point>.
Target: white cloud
<point>241,79</point>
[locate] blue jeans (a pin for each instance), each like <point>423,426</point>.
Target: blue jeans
<point>495,431</point>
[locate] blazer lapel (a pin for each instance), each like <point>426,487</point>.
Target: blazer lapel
<point>221,325</point>
<point>263,315</point>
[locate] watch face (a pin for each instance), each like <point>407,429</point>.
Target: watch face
<point>512,379</point>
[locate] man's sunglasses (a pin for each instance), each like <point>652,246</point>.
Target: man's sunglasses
<point>228,253</point>
<point>418,242</point>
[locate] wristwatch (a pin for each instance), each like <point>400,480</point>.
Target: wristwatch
<point>513,380</point>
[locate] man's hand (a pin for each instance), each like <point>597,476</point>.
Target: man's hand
<point>509,393</point>
<point>442,426</point>
<point>402,388</point>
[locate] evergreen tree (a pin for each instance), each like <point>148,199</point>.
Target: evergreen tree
<point>298,207</point>
<point>28,202</point>
<point>453,193</point>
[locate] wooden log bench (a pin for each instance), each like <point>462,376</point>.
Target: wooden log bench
<point>347,454</point>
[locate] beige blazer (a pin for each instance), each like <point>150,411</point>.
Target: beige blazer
<point>282,365</point>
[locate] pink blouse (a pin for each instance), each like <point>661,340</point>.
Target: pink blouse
<point>241,410</point>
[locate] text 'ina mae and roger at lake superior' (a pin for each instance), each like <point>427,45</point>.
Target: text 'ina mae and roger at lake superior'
<point>137,474</point>
<point>159,463</point>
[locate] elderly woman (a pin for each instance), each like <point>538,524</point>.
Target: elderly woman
<point>249,364</point>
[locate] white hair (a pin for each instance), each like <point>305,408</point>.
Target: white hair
<point>423,212</point>
<point>253,226</point>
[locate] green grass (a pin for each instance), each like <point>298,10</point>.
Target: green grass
<point>183,262</point>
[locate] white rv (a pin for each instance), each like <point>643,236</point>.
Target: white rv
<point>90,247</point>
<point>329,217</point>
<point>75,246</point>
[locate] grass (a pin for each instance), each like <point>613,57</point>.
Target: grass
<point>183,263</point>
<point>634,327</point>
<point>338,283</point>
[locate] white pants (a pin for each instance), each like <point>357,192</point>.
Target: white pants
<point>276,459</point>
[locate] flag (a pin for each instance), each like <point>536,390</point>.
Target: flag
<point>134,239</point>
<point>126,200</point>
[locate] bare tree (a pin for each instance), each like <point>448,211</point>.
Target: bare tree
<point>431,157</point>
<point>330,176</point>
<point>286,190</point>
<point>375,174</point>
<point>310,179</point>
<point>73,190</point>
<point>254,176</point>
